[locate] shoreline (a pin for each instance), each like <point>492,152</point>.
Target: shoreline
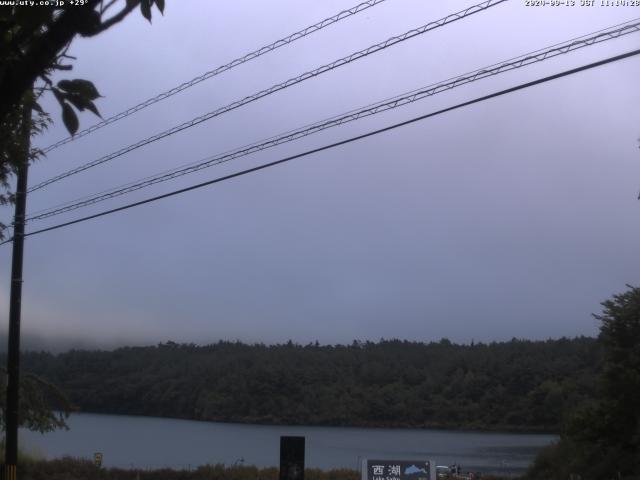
<point>392,426</point>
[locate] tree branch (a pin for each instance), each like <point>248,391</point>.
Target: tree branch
<point>106,7</point>
<point>117,18</point>
<point>42,54</point>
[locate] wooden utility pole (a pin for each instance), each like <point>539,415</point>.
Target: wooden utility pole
<point>13,355</point>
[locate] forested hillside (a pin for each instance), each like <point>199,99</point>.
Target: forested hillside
<point>516,385</point>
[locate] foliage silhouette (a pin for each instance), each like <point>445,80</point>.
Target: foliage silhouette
<point>516,385</point>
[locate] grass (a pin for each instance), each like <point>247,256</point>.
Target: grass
<point>23,456</point>
<point>68,468</point>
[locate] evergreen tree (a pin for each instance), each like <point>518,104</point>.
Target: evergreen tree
<point>603,440</point>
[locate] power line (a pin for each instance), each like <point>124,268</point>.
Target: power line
<point>597,36</point>
<point>280,86</point>
<point>342,142</point>
<point>218,70</point>
<point>389,104</point>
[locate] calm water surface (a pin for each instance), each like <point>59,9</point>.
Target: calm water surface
<point>147,442</point>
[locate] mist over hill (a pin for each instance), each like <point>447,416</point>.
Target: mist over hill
<point>34,342</point>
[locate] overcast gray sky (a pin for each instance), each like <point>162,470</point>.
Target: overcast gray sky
<point>515,217</point>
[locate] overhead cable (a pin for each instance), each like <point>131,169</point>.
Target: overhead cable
<point>389,104</point>
<point>342,142</point>
<point>217,71</point>
<point>275,88</point>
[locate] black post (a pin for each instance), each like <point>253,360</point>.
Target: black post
<point>291,458</point>
<point>13,355</point>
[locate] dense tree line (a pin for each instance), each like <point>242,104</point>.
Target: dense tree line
<point>601,439</point>
<point>516,385</point>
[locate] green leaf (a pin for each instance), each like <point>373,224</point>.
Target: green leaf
<point>89,23</point>
<point>160,5</point>
<point>145,8</point>
<point>84,88</point>
<point>64,84</point>
<point>82,103</point>
<point>92,108</point>
<point>38,108</point>
<point>59,96</point>
<point>70,119</point>
<point>76,100</point>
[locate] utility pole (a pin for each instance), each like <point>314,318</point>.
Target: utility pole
<point>13,355</point>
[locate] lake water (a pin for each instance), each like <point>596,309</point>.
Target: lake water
<point>147,442</point>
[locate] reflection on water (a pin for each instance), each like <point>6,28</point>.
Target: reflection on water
<point>146,442</point>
